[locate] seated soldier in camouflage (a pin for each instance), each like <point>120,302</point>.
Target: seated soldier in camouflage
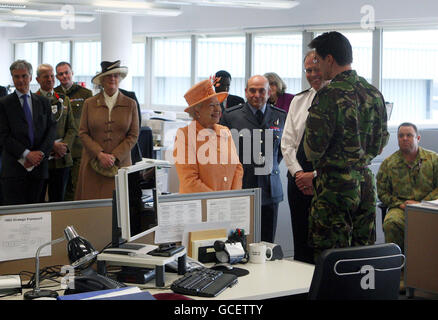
<point>408,176</point>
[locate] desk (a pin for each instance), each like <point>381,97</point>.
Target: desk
<point>273,279</point>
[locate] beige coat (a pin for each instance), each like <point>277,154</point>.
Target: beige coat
<point>97,134</point>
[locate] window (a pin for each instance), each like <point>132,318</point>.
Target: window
<point>171,71</point>
<point>362,46</point>
<point>410,75</point>
<point>281,54</point>
<point>28,51</point>
<point>137,70</point>
<point>86,61</point>
<point>223,53</point>
<point>55,52</point>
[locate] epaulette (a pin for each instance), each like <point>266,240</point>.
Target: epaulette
<point>275,108</point>
<point>304,91</point>
<point>236,107</point>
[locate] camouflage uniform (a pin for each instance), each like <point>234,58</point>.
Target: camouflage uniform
<point>66,131</point>
<point>398,181</point>
<point>77,95</point>
<point>346,128</point>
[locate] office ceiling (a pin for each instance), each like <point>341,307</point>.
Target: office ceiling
<point>16,13</point>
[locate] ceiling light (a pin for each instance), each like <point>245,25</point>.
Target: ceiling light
<point>14,4</point>
<point>260,4</point>
<point>12,24</point>
<point>139,7</point>
<point>51,15</point>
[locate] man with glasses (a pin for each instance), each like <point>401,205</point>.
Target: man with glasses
<point>257,127</point>
<point>77,95</point>
<point>300,171</point>
<point>27,133</point>
<point>345,130</point>
<point>408,176</point>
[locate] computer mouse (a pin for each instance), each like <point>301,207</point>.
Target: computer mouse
<point>222,266</point>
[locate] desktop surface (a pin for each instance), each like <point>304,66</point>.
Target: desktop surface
<point>273,279</point>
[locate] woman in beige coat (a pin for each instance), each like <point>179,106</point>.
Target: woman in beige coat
<point>108,131</point>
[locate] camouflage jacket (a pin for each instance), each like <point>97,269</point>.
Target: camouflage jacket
<point>66,129</point>
<point>77,95</point>
<point>398,180</point>
<point>347,124</point>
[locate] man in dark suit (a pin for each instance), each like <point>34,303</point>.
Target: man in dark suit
<point>223,85</point>
<point>27,133</point>
<point>257,129</point>
<point>3,92</point>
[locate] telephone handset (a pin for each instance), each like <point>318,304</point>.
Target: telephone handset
<point>93,282</point>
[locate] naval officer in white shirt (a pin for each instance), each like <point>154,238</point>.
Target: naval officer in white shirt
<point>300,171</point>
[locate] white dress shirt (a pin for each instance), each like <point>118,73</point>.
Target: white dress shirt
<point>294,128</point>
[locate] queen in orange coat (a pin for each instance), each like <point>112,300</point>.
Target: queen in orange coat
<point>204,152</point>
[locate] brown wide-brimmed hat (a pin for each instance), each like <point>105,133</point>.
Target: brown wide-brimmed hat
<point>201,92</point>
<point>109,67</point>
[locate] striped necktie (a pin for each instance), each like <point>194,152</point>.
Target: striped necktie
<point>29,118</point>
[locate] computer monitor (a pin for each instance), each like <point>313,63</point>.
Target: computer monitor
<point>135,203</point>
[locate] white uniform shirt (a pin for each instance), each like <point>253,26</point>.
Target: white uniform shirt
<point>294,128</point>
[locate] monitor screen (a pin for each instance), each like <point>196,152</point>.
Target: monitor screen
<point>136,197</point>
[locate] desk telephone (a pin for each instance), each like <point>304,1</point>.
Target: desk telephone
<point>93,282</point>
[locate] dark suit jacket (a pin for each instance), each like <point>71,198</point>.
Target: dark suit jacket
<point>3,91</point>
<point>136,154</point>
<point>241,117</point>
<point>14,135</point>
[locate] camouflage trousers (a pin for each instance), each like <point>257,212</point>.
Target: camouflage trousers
<point>343,210</point>
<point>394,227</point>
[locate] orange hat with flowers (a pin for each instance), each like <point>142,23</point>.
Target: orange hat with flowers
<point>201,92</point>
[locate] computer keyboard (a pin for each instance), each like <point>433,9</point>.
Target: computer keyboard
<point>204,283</point>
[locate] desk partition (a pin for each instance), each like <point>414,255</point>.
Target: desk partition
<point>93,220</point>
<point>421,248</point>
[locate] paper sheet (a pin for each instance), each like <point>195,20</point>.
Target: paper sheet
<point>174,216</point>
<point>236,210</point>
<point>22,234</point>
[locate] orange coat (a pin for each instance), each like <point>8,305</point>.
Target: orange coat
<point>97,134</point>
<point>202,165</point>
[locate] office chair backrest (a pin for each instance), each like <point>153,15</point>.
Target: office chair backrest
<point>356,273</point>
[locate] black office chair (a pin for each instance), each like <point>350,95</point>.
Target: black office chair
<point>358,273</point>
<point>145,142</point>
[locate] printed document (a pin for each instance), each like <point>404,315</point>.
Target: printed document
<point>22,234</point>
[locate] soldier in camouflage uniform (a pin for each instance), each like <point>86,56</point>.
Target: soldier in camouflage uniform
<point>346,128</point>
<point>408,176</point>
<point>77,95</point>
<point>66,131</point>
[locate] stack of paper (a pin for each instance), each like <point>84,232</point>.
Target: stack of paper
<point>125,293</point>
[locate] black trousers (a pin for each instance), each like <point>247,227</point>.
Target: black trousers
<point>299,205</point>
<point>56,184</point>
<point>269,222</point>
<point>21,190</point>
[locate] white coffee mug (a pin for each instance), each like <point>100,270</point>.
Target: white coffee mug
<point>259,253</point>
